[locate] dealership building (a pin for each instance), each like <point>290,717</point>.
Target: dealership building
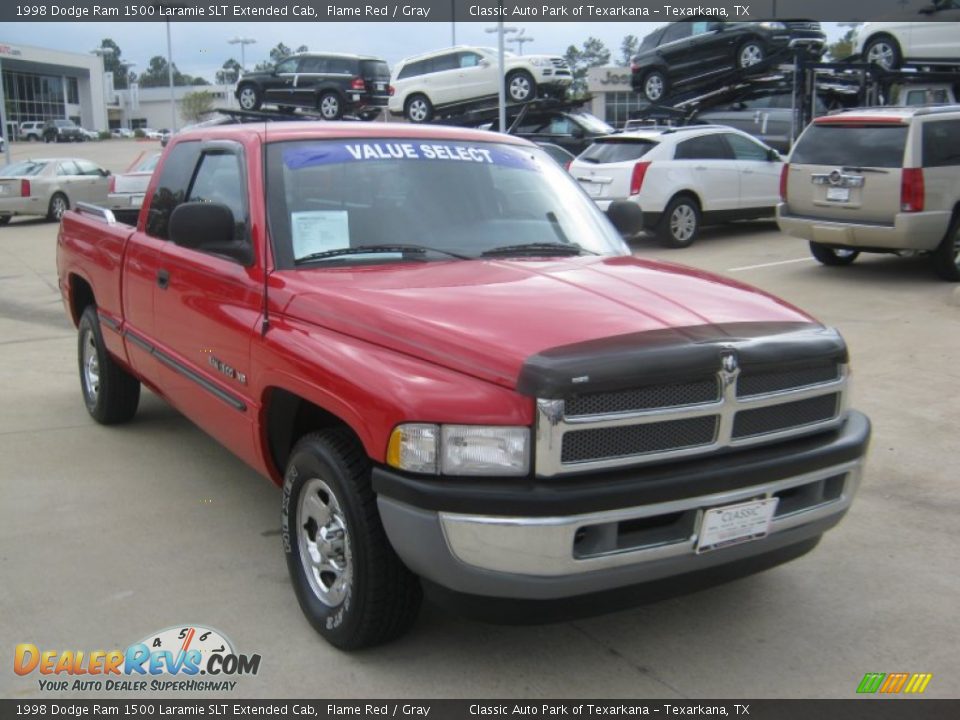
<point>613,98</point>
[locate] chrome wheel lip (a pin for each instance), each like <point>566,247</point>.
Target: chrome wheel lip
<point>326,557</point>
<point>750,55</point>
<point>90,364</point>
<point>882,54</point>
<point>248,98</point>
<point>329,107</point>
<point>683,223</point>
<point>653,87</point>
<point>520,88</point>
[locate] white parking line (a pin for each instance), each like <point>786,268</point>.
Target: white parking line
<point>772,264</point>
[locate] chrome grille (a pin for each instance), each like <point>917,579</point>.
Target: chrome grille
<point>803,25</point>
<point>579,445</point>
<point>633,426</point>
<point>645,398</point>
<point>750,384</point>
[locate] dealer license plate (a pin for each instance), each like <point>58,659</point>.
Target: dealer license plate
<point>381,86</point>
<point>838,194</point>
<point>136,200</point>
<point>733,524</point>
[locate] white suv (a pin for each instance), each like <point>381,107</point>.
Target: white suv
<point>455,78</point>
<point>891,44</point>
<point>683,178</point>
<point>32,130</point>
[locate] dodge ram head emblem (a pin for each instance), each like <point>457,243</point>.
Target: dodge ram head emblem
<point>729,362</point>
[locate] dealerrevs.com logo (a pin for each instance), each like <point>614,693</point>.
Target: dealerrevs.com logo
<point>173,659</point>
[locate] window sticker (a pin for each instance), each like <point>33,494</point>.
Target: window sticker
<point>316,231</point>
<point>296,158</point>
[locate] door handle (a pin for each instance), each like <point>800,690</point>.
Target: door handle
<point>700,167</point>
<point>163,279</point>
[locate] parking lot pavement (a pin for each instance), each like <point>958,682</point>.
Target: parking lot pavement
<point>109,534</point>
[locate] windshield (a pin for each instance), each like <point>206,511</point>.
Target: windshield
<point>593,123</point>
<point>64,124</point>
<point>441,197</point>
<point>148,164</point>
<point>25,168</point>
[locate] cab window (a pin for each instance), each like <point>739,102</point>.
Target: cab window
<point>744,149</point>
<point>677,31</point>
<point>287,66</point>
<point>707,147</point>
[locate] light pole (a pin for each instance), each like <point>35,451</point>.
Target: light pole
<point>4,130</point>
<point>500,30</point>
<point>520,40</point>
<point>242,42</point>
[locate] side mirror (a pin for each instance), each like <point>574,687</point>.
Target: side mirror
<point>104,172</point>
<point>484,62</point>
<point>626,216</point>
<point>773,155</point>
<point>209,227</point>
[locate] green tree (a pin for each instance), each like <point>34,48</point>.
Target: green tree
<point>593,53</point>
<point>842,48</point>
<point>280,52</point>
<point>112,62</point>
<point>628,48</point>
<point>195,105</point>
<point>229,73</point>
<point>156,75</point>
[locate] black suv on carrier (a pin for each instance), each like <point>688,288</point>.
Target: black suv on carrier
<point>687,55</point>
<point>332,84</point>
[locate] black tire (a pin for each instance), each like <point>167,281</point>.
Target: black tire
<point>521,87</point>
<point>946,258</point>
<point>59,204</point>
<point>380,599</point>
<point>5,219</point>
<point>47,139</point>
<point>679,225</point>
<point>834,257</point>
<point>751,53</point>
<point>418,109</point>
<point>249,97</point>
<point>885,52</point>
<point>370,115</point>
<point>655,86</point>
<point>289,109</point>
<point>110,393</point>
<point>330,105</point>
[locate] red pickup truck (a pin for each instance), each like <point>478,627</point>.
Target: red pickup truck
<point>447,357</point>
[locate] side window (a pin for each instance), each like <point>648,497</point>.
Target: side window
<point>411,70</point>
<point>941,143</point>
<point>172,186</point>
<point>339,66</point>
<point>219,179</point>
<point>469,59</point>
<point>677,31</point>
<point>89,168</point>
<point>445,62</point>
<point>562,126</point>
<point>314,65</point>
<point>699,28</point>
<point>68,167</point>
<point>706,147</point>
<point>744,149</point>
<point>287,66</point>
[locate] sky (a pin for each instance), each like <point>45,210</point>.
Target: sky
<point>201,48</point>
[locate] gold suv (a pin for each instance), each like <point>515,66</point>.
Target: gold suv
<point>878,180</point>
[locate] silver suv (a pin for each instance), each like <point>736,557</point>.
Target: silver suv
<point>880,180</point>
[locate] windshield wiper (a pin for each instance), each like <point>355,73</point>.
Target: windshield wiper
<point>540,248</point>
<point>375,249</point>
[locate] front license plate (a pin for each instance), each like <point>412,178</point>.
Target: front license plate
<point>733,524</point>
<point>838,194</point>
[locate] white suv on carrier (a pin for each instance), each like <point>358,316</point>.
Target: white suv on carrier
<point>459,77</point>
<point>683,177</point>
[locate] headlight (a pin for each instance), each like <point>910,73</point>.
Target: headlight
<point>541,62</point>
<point>460,449</point>
<point>773,25</point>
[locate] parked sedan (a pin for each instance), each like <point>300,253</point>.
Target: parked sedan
<point>687,55</point>
<point>50,186</point>
<point>683,178</point>
<point>126,189</point>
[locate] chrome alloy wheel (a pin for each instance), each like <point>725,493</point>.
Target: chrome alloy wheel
<point>324,543</point>
<point>683,223</point>
<point>248,98</point>
<point>330,107</point>
<point>58,206</point>
<point>91,368</point>
<point>653,87</point>
<point>520,88</point>
<point>882,54</point>
<point>418,110</point>
<point>750,55</point>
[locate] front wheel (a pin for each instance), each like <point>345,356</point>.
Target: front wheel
<point>249,98</point>
<point>834,257</point>
<point>330,106</point>
<point>883,51</point>
<point>349,582</point>
<point>110,393</point>
<point>521,87</point>
<point>680,223</point>
<point>750,54</point>
<point>946,258</point>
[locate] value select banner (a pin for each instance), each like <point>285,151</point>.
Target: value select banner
<point>474,10</point>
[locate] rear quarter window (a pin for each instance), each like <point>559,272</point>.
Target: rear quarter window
<point>941,143</point>
<point>879,146</point>
<point>615,151</point>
